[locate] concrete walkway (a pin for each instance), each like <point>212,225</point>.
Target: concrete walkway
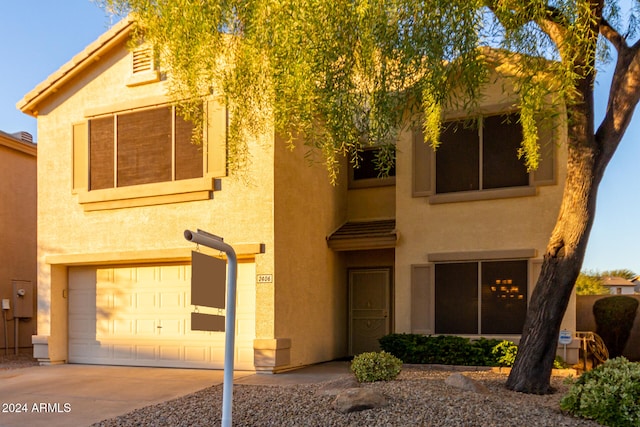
<point>80,395</point>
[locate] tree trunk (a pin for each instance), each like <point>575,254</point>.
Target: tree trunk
<point>531,372</point>
<point>589,154</point>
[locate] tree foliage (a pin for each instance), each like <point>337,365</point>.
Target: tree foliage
<point>592,282</point>
<point>343,75</point>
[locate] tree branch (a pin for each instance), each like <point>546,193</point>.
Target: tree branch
<point>612,35</point>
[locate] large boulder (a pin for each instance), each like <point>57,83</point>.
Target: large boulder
<point>358,399</point>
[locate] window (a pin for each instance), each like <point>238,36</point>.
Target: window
<point>481,155</point>
<point>367,174</point>
<point>478,161</point>
<point>487,297</point>
<point>145,156</point>
<point>142,147</point>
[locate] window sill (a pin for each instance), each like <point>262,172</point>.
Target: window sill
<point>470,196</point>
<point>372,182</point>
<point>148,194</point>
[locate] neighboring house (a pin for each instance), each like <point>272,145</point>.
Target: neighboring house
<point>619,285</point>
<point>445,247</point>
<point>18,197</point>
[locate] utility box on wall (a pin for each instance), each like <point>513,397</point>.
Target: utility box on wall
<point>22,298</point>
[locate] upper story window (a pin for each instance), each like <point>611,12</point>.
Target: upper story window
<point>367,173</point>
<point>142,147</point>
<point>145,156</point>
<point>478,160</point>
<point>480,156</point>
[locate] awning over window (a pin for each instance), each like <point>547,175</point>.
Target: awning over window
<point>361,235</point>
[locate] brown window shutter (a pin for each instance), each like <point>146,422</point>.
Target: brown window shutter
<point>145,147</point>
<point>216,139</point>
<point>423,157</point>
<point>546,172</point>
<point>80,157</point>
<point>421,299</point>
<point>101,143</point>
<point>188,155</point>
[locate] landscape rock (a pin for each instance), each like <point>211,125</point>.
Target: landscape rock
<point>335,387</point>
<point>358,399</point>
<point>465,383</point>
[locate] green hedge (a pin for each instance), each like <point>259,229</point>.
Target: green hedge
<point>614,319</point>
<point>441,349</point>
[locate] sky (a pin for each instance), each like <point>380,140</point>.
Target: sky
<point>39,36</point>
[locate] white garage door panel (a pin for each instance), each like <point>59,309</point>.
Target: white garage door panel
<point>140,315</point>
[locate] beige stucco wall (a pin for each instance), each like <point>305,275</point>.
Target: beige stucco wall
<point>310,282</point>
<point>17,230</point>
<point>241,211</point>
<point>372,203</point>
<point>472,226</point>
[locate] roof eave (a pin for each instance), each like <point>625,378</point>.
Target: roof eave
<point>13,143</point>
<point>92,53</point>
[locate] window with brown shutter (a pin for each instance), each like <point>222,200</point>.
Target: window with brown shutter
<point>485,297</point>
<point>480,156</point>
<point>145,155</point>
<point>150,146</point>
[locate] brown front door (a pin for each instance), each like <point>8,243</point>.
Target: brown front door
<point>369,320</point>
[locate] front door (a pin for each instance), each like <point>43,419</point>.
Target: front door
<point>369,320</point>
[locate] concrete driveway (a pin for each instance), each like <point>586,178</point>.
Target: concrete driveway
<point>80,395</point>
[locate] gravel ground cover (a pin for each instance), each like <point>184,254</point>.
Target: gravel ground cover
<point>418,397</point>
<point>10,360</point>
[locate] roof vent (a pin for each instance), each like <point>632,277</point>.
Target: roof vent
<point>143,67</point>
<point>23,136</point>
<point>142,60</point>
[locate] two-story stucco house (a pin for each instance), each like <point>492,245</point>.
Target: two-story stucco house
<point>18,197</point>
<point>451,244</point>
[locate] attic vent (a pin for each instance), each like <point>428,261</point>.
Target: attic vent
<point>23,136</point>
<point>142,60</point>
<point>143,67</point>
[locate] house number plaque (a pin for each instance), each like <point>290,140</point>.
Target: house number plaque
<point>265,278</point>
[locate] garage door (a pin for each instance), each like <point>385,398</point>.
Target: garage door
<point>140,316</point>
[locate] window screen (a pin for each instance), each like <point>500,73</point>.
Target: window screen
<point>458,159</point>
<point>144,147</point>
<point>188,155</point>
<point>504,297</point>
<point>501,140</point>
<point>501,305</point>
<point>101,145</point>
<point>457,298</point>
<point>484,157</point>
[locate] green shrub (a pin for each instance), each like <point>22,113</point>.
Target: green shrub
<point>505,353</point>
<point>614,319</point>
<point>608,394</point>
<point>441,349</point>
<point>370,367</point>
